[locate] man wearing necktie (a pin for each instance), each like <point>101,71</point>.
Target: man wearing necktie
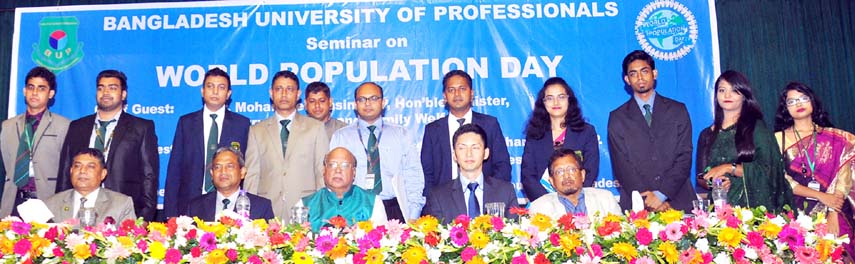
<point>285,152</point>
<point>30,144</point>
<point>128,142</point>
<point>474,189</point>
<point>227,170</point>
<point>387,161</point>
<point>650,141</point>
<point>436,152</point>
<point>198,135</point>
<point>87,173</point>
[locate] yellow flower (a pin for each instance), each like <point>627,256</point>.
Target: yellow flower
<point>482,222</point>
<point>671,216</point>
<point>5,225</point>
<point>414,255</point>
<point>81,251</point>
<point>296,237</point>
<point>374,256</point>
<point>367,226</point>
<point>260,223</point>
<point>302,258</point>
<point>6,246</point>
<point>569,243</point>
<point>478,239</point>
<point>625,250</point>
<point>216,256</point>
<point>158,251</point>
<point>769,230</point>
<point>639,223</point>
<point>669,251</point>
<point>730,237</point>
<point>339,251</point>
<point>126,242</point>
<point>39,243</point>
<point>823,247</point>
<point>217,228</point>
<point>426,224</point>
<point>612,218</point>
<point>476,260</point>
<point>541,221</point>
<point>155,226</point>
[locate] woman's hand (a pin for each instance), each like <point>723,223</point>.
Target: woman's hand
<point>833,201</point>
<point>718,172</point>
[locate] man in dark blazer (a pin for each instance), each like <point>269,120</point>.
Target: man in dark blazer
<point>228,169</point>
<point>469,193</point>
<point>437,163</point>
<point>194,146</point>
<point>128,142</point>
<point>650,142</point>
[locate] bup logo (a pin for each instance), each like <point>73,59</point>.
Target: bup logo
<point>666,30</point>
<point>58,48</point>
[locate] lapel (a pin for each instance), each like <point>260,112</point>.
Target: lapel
<point>197,122</point>
<point>659,110</point>
<point>226,130</point>
<point>119,132</point>
<point>634,113</point>
<point>102,203</point>
<point>209,202</point>
<point>67,206</point>
<point>457,199</point>
<point>44,124</point>
<point>444,137</point>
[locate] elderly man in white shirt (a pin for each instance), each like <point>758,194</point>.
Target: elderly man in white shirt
<point>567,175</point>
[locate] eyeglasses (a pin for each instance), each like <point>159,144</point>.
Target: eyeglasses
<point>335,165</point>
<point>550,98</point>
<point>373,99</point>
<point>566,170</point>
<point>795,101</point>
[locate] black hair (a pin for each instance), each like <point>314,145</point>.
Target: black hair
<point>539,122</point>
<point>221,73</point>
<point>453,73</point>
<point>286,75</point>
<point>748,115</point>
<point>44,73</point>
<point>637,55</point>
<point>469,128</point>
<point>123,80</point>
<point>561,153</point>
<point>784,120</point>
<point>317,87</point>
<point>94,153</point>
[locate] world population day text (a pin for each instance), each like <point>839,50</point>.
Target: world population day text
<point>405,14</point>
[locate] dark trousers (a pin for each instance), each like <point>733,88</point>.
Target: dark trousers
<point>393,210</point>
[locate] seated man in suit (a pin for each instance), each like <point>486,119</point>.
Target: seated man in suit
<point>88,170</point>
<point>227,170</point>
<point>567,175</point>
<point>465,194</point>
<point>340,197</point>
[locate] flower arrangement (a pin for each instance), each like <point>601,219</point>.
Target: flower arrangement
<point>729,235</point>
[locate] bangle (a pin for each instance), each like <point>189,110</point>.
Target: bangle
<point>733,169</point>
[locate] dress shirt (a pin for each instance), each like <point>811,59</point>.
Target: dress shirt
<point>579,208</point>
<point>206,122</point>
<point>398,157</point>
<point>452,127</point>
<point>279,119</point>
<point>90,201</point>
<point>107,136</point>
<point>479,192</point>
<point>232,199</point>
<point>641,104</point>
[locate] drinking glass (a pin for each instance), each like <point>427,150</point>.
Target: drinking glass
<point>495,209</point>
<point>299,214</point>
<point>87,217</point>
<point>701,205</point>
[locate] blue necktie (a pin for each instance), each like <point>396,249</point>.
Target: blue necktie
<point>473,201</point>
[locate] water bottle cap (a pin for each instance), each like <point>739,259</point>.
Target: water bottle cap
<point>718,181</point>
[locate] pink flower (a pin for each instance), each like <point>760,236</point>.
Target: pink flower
<point>462,220</point>
<point>687,256</point>
<point>755,240</point>
<point>672,232</point>
<point>738,254</point>
<point>468,253</point>
<point>597,250</point>
<point>644,236</point>
<point>325,243</point>
<point>405,236</point>
<point>52,233</point>
<point>272,257</point>
<point>498,223</point>
<point>254,259</point>
<point>358,258</point>
<point>142,245</point>
<point>302,244</point>
<point>806,255</point>
<point>519,259</point>
<point>581,222</point>
<point>173,255</point>
<point>733,222</point>
<point>58,252</point>
<point>117,251</point>
<point>195,252</point>
<point>21,228</point>
<point>644,260</point>
<point>232,254</point>
<point>554,239</point>
<point>459,236</point>
<point>793,238</point>
<point>22,247</point>
<point>585,259</point>
<point>93,249</point>
<point>208,241</point>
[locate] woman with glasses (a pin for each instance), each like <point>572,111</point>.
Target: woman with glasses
<point>819,159</point>
<point>740,151</point>
<point>556,123</point>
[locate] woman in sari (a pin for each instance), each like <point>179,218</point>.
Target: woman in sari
<point>819,159</point>
<point>739,150</point>
<point>556,123</point>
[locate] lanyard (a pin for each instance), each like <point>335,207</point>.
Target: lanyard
<point>27,138</point>
<point>811,164</point>
<point>365,146</point>
<point>100,137</point>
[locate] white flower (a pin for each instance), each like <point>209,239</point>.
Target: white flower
<point>721,258</point>
<point>433,254</point>
<point>703,245</point>
<point>747,215</point>
<point>655,228</point>
<point>750,253</point>
<point>805,221</point>
<point>778,221</point>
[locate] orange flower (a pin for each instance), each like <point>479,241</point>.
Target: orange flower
<point>338,221</point>
<point>426,224</point>
<point>625,250</point>
<point>414,255</point>
<point>541,221</point>
<point>339,251</point>
<point>519,211</point>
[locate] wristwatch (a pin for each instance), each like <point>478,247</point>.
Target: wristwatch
<point>733,169</point>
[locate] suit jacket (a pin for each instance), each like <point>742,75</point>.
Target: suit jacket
<point>186,170</point>
<point>205,207</point>
<point>284,180</point>
<point>436,151</point>
<point>658,157</point>
<point>536,154</point>
<point>332,125</point>
<point>109,203</point>
<point>133,163</point>
<point>47,142</point>
<point>596,201</point>
<point>447,201</point>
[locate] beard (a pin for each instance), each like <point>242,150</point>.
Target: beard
<point>107,107</point>
<point>569,191</point>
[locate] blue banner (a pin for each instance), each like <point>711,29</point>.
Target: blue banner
<point>509,47</point>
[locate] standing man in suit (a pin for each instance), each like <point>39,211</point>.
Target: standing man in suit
<point>387,163</point>
<point>319,106</point>
<point>128,143</point>
<point>87,173</point>
<point>228,170</point>
<point>436,156</point>
<point>186,176</point>
<point>650,142</point>
<point>473,189</point>
<point>285,153</point>
<point>30,143</point>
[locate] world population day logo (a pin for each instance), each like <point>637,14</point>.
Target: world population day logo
<point>58,48</point>
<point>666,30</point>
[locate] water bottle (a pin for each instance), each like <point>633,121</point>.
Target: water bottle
<point>719,193</point>
<point>242,204</point>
